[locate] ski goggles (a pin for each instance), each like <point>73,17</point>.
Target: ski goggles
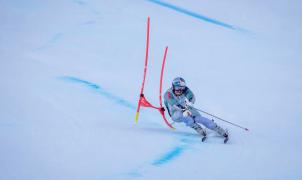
<point>179,88</point>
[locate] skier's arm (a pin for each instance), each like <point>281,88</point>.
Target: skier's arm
<point>179,107</point>
<point>190,96</point>
<point>173,102</point>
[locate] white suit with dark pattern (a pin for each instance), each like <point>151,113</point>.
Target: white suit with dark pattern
<point>176,107</point>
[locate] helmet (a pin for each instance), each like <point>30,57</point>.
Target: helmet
<point>178,83</point>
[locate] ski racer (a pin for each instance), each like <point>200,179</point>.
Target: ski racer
<point>179,100</point>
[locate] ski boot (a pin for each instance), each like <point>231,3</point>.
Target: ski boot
<point>223,133</point>
<point>200,131</point>
<point>226,137</point>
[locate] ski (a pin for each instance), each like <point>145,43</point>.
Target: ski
<point>203,138</point>
<point>226,139</point>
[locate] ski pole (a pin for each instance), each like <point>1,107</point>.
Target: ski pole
<point>220,118</point>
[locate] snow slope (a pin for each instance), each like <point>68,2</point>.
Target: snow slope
<point>71,71</point>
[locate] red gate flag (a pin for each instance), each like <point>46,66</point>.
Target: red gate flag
<point>142,100</point>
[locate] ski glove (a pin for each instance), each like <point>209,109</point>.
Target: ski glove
<point>186,113</point>
<point>180,107</point>
<point>188,104</point>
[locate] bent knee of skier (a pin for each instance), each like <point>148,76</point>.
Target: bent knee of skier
<point>206,122</point>
<point>189,121</point>
<point>177,117</point>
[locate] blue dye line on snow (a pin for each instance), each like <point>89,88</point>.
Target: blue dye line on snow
<point>169,156</point>
<point>84,3</point>
<point>134,174</point>
<point>52,41</point>
<point>56,38</point>
<point>195,15</point>
<point>164,159</point>
<point>101,91</point>
<point>186,142</point>
<point>79,2</point>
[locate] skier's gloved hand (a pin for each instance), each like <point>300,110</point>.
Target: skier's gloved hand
<point>180,107</point>
<point>188,104</point>
<point>186,113</point>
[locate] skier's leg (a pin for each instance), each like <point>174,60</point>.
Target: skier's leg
<point>210,124</point>
<point>220,131</point>
<point>205,121</point>
<point>198,129</point>
<point>189,121</point>
<point>178,117</point>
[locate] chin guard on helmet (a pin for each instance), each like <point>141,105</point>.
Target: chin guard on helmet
<point>178,86</point>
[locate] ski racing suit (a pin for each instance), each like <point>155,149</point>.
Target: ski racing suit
<point>176,106</point>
